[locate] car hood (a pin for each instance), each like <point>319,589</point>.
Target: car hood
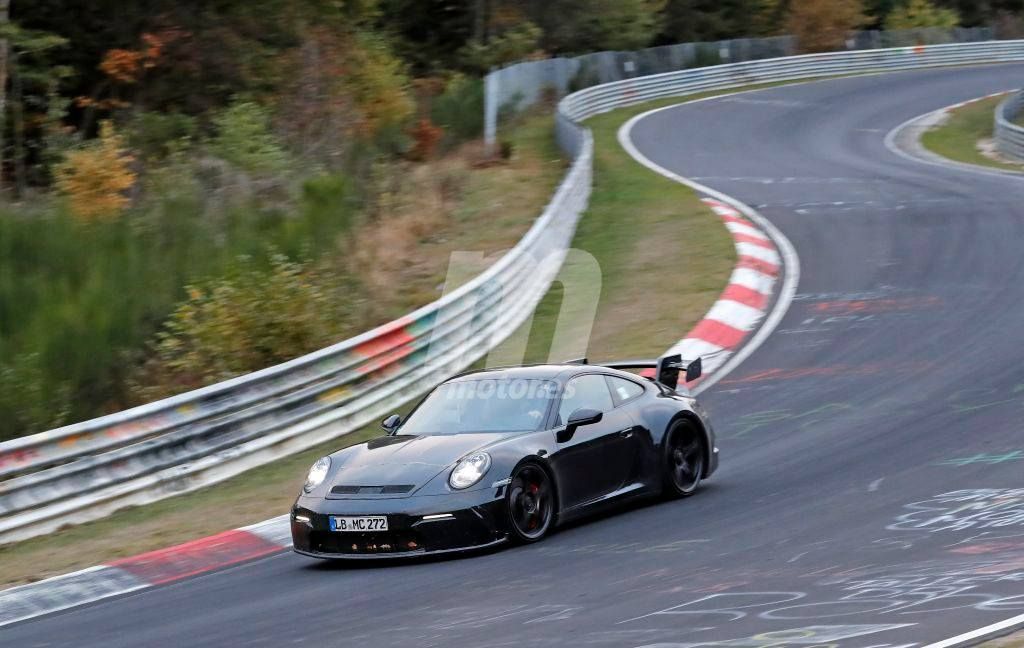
<point>382,467</point>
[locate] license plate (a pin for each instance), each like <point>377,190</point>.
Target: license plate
<point>359,524</point>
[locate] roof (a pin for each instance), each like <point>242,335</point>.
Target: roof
<point>535,372</point>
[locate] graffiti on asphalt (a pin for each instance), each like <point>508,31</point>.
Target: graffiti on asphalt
<point>964,401</point>
<point>978,508</point>
<point>819,636</point>
<point>987,459</point>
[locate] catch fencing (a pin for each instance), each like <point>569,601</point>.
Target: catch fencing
<point>516,87</point>
<point>1009,133</point>
<point>89,469</point>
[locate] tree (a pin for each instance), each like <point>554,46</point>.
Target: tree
<point>914,14</point>
<point>95,178</point>
<point>688,21</point>
<point>512,45</point>
<point>26,62</point>
<point>430,33</point>
<point>768,17</point>
<point>577,26</point>
<point>824,25</point>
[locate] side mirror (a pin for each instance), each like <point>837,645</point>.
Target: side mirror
<point>694,370</point>
<point>580,417</point>
<point>391,423</point>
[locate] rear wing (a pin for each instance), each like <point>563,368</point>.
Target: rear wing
<point>666,368</point>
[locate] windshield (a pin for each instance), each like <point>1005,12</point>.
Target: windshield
<point>485,405</point>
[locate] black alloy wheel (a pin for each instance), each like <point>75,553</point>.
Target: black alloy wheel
<point>531,503</point>
<point>684,459</point>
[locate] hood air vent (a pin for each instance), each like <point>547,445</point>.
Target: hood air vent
<point>390,489</point>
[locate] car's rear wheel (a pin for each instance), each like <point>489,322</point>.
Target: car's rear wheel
<point>684,459</point>
<point>531,503</point>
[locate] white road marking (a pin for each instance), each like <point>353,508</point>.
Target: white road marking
<point>893,135</point>
<point>791,277</point>
<point>988,632</point>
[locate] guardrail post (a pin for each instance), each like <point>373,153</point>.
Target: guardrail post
<point>491,110</point>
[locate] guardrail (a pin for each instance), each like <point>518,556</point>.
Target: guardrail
<point>518,86</point>
<point>86,470</point>
<point>1009,135</point>
<point>83,471</point>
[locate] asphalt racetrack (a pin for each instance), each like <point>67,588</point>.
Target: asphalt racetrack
<point>871,491</point>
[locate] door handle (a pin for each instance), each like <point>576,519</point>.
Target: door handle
<point>625,434</point>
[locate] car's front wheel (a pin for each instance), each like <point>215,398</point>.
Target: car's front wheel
<point>531,503</point>
<point>684,459</point>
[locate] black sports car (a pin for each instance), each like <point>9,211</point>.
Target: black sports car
<point>507,454</point>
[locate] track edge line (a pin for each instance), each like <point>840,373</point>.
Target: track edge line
<point>790,259</point>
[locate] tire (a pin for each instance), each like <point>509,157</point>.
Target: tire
<point>684,459</point>
<point>530,501</point>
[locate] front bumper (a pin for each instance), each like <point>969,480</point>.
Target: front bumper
<point>474,520</point>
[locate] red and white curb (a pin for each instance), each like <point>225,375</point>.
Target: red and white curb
<point>744,303</point>
<point>762,285</point>
<point>145,570</point>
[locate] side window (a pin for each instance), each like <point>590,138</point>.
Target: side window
<point>589,392</point>
<point>623,390</point>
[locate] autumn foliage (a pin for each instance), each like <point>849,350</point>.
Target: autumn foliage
<point>95,179</point>
<point>127,66</point>
<point>425,137</point>
<point>824,25</point>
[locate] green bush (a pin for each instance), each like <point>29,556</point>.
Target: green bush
<point>244,138</point>
<point>154,135</point>
<point>28,400</point>
<point>459,110</point>
<point>252,318</point>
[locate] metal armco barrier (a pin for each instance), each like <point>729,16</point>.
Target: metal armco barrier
<point>87,470</point>
<point>518,86</point>
<point>1008,134</point>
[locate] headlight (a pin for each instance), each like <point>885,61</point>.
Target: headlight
<point>317,473</point>
<point>470,470</point>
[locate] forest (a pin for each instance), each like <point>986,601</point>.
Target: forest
<point>191,190</point>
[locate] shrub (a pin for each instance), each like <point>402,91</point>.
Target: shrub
<point>425,137</point>
<point>328,215</point>
<point>253,318</point>
<point>155,135</point>
<point>28,401</point>
<point>244,138</point>
<point>96,177</point>
<point>378,82</point>
<point>460,108</point>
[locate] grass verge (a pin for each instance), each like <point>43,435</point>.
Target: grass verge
<point>966,134</point>
<point>1015,640</point>
<point>664,256</point>
<point>664,259</point>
